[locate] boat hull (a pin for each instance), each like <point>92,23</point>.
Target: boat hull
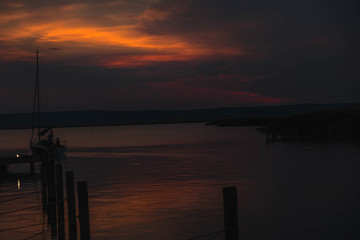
<point>57,151</point>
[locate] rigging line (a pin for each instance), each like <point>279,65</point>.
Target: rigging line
<point>36,234</point>
<point>37,195</point>
<point>18,210</point>
<point>9,200</point>
<point>45,95</point>
<point>35,95</point>
<point>216,236</point>
<point>207,234</point>
<point>38,88</point>
<point>43,231</point>
<point>48,203</point>
<point>32,225</point>
<point>16,195</point>
<point>5,191</point>
<point>15,228</point>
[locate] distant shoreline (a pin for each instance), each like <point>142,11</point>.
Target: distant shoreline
<point>106,125</point>
<point>316,125</point>
<point>239,116</point>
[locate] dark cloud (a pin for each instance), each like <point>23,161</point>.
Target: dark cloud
<point>310,45</point>
<point>259,23</point>
<point>182,54</point>
<point>56,49</point>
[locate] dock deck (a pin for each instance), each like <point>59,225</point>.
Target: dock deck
<point>5,161</point>
<point>19,159</point>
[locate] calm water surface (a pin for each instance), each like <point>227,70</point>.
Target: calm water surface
<point>165,182</point>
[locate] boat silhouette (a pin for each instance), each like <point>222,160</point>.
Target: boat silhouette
<point>43,142</point>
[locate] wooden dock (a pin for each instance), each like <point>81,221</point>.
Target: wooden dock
<point>17,159</point>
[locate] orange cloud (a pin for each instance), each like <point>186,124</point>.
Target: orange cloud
<point>141,60</point>
<point>26,29</point>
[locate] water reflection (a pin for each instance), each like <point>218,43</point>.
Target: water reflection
<point>20,209</point>
<point>167,183</point>
<point>145,210</point>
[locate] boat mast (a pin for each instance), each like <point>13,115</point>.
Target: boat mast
<point>36,106</point>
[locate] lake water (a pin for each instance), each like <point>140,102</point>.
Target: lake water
<point>165,182</point>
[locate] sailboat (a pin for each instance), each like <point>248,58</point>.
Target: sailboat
<point>43,142</point>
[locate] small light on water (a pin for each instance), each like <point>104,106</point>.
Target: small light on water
<point>17,155</point>
<point>19,186</point>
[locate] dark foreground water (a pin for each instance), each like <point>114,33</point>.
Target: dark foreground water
<point>165,182</point>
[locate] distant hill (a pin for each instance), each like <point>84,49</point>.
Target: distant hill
<point>104,118</point>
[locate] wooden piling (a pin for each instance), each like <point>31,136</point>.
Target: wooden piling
<point>52,196</point>
<point>70,195</point>
<point>231,213</point>
<point>60,201</point>
<point>32,168</point>
<point>43,170</point>
<point>3,170</point>
<point>83,204</point>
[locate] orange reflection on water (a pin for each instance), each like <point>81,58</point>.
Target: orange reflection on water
<point>127,212</point>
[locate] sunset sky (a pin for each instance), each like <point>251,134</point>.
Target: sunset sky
<point>188,54</point>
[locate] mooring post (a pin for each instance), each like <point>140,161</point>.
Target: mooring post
<point>83,204</point>
<point>3,170</point>
<point>60,201</point>
<point>32,168</point>
<point>231,213</point>
<point>43,170</point>
<point>70,195</point>
<point>52,196</point>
